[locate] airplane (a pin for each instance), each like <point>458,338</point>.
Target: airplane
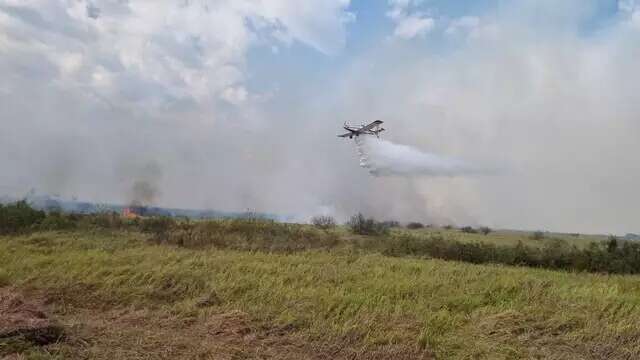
<point>371,129</point>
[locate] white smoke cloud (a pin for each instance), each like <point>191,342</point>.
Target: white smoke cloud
<point>385,158</point>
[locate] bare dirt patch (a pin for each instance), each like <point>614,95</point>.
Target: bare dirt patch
<point>24,322</point>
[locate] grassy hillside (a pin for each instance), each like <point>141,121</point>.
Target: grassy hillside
<point>121,295</point>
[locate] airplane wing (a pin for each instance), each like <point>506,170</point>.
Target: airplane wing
<point>344,135</point>
<point>372,125</point>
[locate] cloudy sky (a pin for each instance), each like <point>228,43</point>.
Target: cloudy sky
<point>235,104</point>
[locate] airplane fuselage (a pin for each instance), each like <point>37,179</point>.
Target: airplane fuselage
<point>370,129</point>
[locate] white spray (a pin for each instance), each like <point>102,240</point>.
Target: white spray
<point>384,158</point>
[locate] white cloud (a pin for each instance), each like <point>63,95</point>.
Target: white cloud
<point>409,24</point>
<point>413,26</point>
<point>631,10</point>
<point>466,24</point>
<point>626,5</point>
<point>235,95</point>
<point>149,51</point>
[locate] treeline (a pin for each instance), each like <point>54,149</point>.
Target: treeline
<point>256,234</point>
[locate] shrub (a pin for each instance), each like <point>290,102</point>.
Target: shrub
<point>246,234</point>
<point>612,244</point>
<point>391,224</point>
<point>415,225</point>
<point>366,226</point>
<point>468,230</point>
<point>485,230</point>
<point>537,235</point>
<point>448,227</point>
<point>19,217</point>
<point>105,220</point>
<point>157,224</point>
<point>323,222</point>
<point>56,220</point>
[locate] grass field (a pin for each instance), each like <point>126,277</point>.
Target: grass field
<point>119,296</point>
<point>504,237</point>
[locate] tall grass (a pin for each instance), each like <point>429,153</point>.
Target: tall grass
<point>605,257</point>
<point>455,310</point>
<point>242,234</point>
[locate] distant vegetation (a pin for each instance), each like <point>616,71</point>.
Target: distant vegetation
<point>241,234</point>
<point>391,223</point>
<point>360,225</point>
<point>18,217</point>
<point>484,230</point>
<point>323,222</point>
<point>537,235</point>
<point>611,256</point>
<point>415,225</point>
<point>468,230</point>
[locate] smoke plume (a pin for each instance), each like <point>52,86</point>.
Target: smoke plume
<point>384,158</point>
<point>144,190</point>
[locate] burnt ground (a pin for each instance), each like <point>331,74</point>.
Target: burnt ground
<point>36,324</point>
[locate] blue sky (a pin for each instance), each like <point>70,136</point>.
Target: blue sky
<point>296,65</point>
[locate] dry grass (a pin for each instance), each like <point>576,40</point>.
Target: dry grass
<point>120,297</point>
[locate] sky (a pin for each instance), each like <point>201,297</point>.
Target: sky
<point>234,105</point>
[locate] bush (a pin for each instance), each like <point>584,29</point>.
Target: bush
<point>537,235</point>
<point>608,256</point>
<point>366,226</point>
<point>415,225</point>
<point>391,224</point>
<point>157,224</point>
<point>245,234</point>
<point>448,227</point>
<point>468,230</point>
<point>56,220</point>
<point>612,244</point>
<point>485,230</point>
<point>19,217</point>
<point>323,222</point>
<point>105,220</point>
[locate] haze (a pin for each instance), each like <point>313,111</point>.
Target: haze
<point>232,105</point>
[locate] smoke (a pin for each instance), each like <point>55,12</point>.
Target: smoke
<point>550,88</point>
<point>144,190</point>
<point>143,193</point>
<point>384,158</point>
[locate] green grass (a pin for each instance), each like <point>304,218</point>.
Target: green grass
<point>455,310</point>
<point>503,237</point>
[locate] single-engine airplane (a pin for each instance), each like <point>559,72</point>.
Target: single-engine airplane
<point>371,129</point>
